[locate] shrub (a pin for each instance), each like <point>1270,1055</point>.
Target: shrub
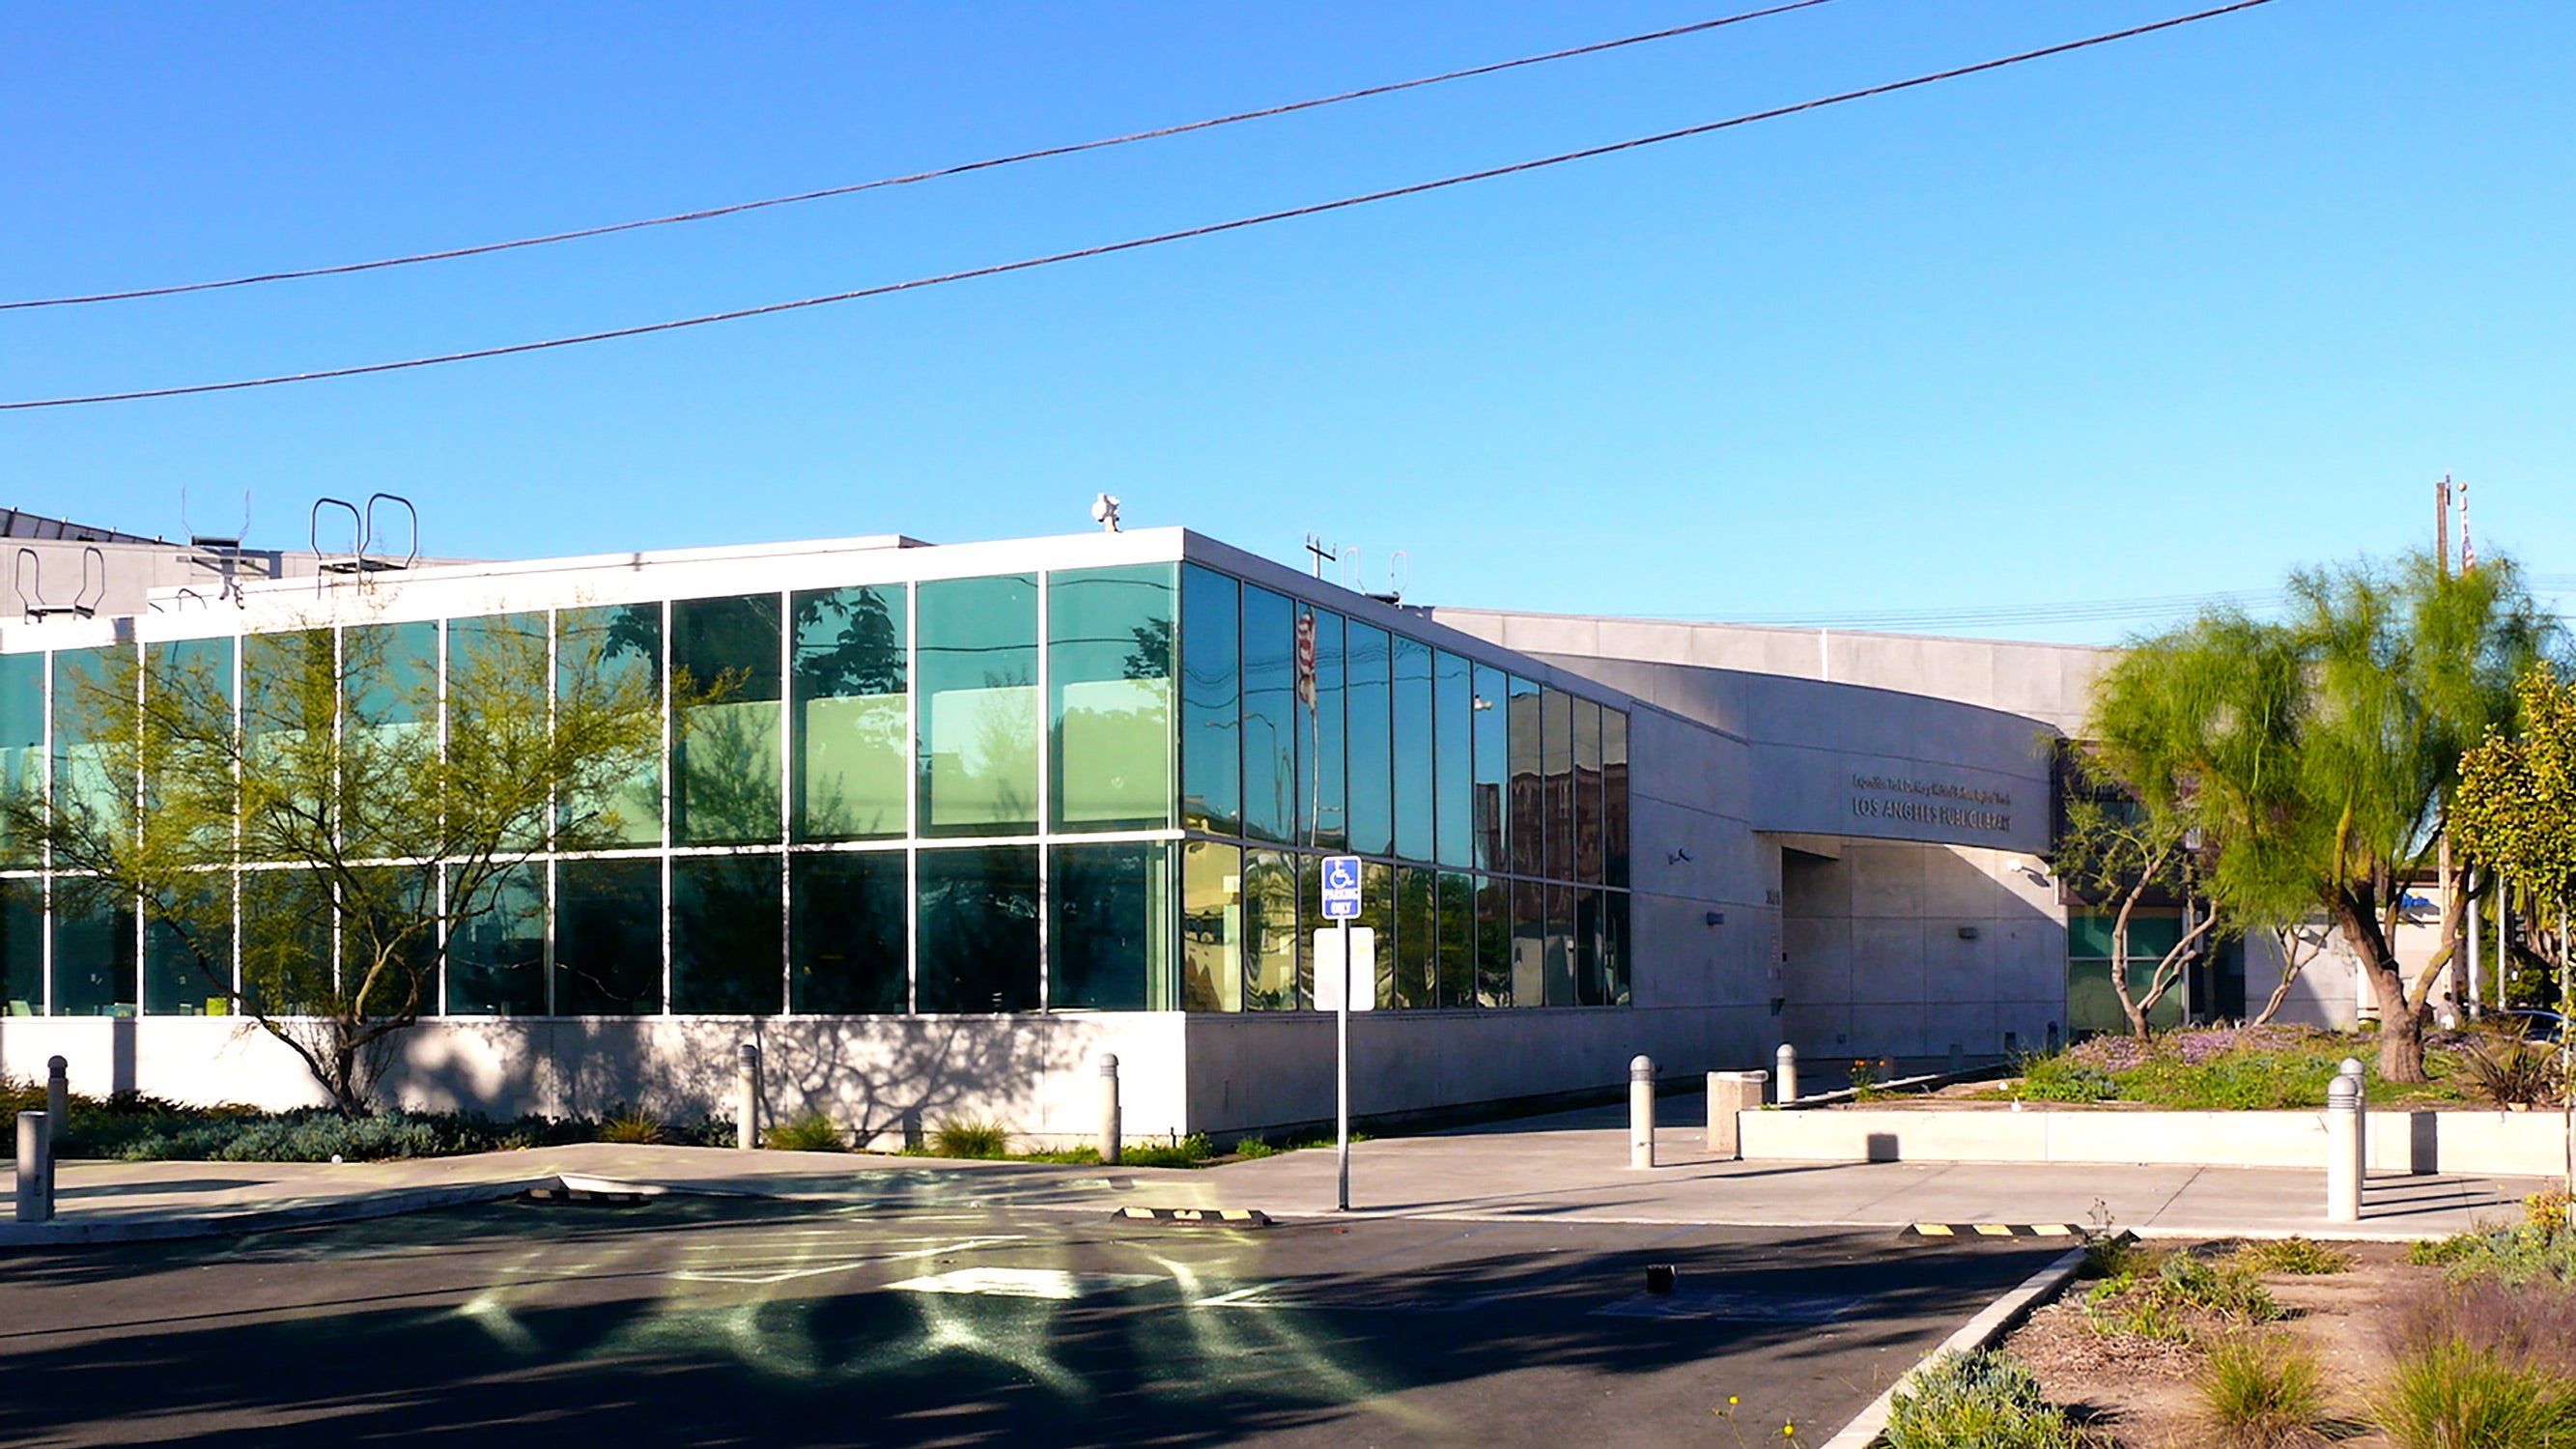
<point>812,1132</point>
<point>1979,1400</point>
<point>1190,1151</point>
<point>2063,1079</point>
<point>2228,1291</point>
<point>2508,1072</point>
<point>1251,1148</point>
<point>2455,1396</point>
<point>969,1137</point>
<point>641,1129</point>
<point>2262,1395</point>
<point>2299,1257</point>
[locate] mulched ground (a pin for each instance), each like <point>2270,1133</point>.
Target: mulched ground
<point>2138,1393</point>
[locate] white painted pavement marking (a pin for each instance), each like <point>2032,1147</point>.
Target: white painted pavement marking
<point>1055,1283</point>
<point>760,1270</point>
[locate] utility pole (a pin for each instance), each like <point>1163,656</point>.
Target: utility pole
<point>2442,523</point>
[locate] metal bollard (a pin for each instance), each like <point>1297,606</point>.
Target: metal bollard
<point>1784,1070</point>
<point>58,1101</point>
<point>1641,1112</point>
<point>35,1168</point>
<point>1109,1123</point>
<point>2343,1150</point>
<point>746,1104</point>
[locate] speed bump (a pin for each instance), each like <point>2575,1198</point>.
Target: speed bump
<point>1954,1231</point>
<point>1196,1217</point>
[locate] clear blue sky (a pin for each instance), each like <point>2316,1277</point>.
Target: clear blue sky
<point>2166,317</point>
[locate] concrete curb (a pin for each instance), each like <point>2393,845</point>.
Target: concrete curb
<point>392,1203</point>
<point>1998,1319</point>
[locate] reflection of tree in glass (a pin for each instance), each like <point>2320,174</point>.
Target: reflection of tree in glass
<point>1151,658</point>
<point>865,656</point>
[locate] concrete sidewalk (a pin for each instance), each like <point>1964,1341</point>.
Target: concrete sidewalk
<point>1569,1167</point>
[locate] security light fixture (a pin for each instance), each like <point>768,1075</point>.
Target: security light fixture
<point>1104,511</point>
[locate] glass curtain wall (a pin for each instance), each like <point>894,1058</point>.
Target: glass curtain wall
<point>1089,789</point>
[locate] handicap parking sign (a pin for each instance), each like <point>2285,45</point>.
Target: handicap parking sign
<point>1341,887</point>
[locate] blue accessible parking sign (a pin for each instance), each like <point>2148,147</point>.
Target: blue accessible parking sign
<point>1341,887</point>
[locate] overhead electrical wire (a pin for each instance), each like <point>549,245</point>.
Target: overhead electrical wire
<point>914,178</point>
<point>1137,243</point>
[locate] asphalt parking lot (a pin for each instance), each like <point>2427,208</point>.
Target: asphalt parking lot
<point>693,1320</point>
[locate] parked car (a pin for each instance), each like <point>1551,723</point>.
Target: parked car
<point>2534,1024</point>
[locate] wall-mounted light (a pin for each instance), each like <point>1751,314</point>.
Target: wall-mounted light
<point>1678,857</point>
<point>1967,933</point>
<point>1717,918</point>
<point>2015,865</point>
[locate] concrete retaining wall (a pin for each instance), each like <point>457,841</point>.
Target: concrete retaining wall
<point>2532,1144</point>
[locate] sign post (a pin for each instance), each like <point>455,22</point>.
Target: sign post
<point>1341,905</point>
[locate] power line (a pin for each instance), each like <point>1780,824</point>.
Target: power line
<point>961,169</point>
<point>1136,243</point>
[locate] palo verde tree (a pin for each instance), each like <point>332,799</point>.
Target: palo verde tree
<point>2515,811</point>
<point>346,818</point>
<point>2319,755</point>
<point>2116,852</point>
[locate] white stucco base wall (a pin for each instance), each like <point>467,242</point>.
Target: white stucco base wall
<point>2531,1144</point>
<point>881,1077</point>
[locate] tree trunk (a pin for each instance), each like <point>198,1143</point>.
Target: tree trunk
<point>2401,1021</point>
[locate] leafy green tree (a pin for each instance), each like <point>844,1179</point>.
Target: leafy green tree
<point>2515,813</point>
<point>2117,854</point>
<point>317,808</point>
<point>2318,756</point>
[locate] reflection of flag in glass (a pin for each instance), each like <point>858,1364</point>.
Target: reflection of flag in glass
<point>1306,658</point>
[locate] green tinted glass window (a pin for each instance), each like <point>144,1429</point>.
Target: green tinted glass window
<point>1414,787</point>
<point>1493,941</point>
<point>1587,791</point>
<point>1486,709</point>
<point>497,707</point>
<point>725,779</point>
<point>978,920</point>
<point>93,727</point>
<point>389,736</point>
<point>1211,701</point>
<point>1271,935</point>
<point>1416,980</point>
<point>1559,958</point>
<point>1527,805</point>
<point>1556,754</point>
<point>1457,939</point>
<point>1269,715</point>
<point>1110,661</point>
<point>1614,797</point>
<point>93,951</point>
<point>853,713</point>
<point>496,957</point>
<point>1529,944</point>
<point>188,960</point>
<point>22,742</point>
<point>608,938</point>
<point>1320,741</point>
<point>846,932</point>
<point>978,645</point>
<point>727,930</point>
<point>288,929</point>
<point>607,645</point>
<point>22,947</point>
<point>1370,706</point>
<point>1109,948</point>
<point>1212,926</point>
<point>188,786</point>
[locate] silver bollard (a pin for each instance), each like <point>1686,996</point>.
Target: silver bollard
<point>1784,1070</point>
<point>1641,1112</point>
<point>2343,1150</point>
<point>58,1100</point>
<point>1109,1122</point>
<point>35,1168</point>
<point>746,1105</point>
